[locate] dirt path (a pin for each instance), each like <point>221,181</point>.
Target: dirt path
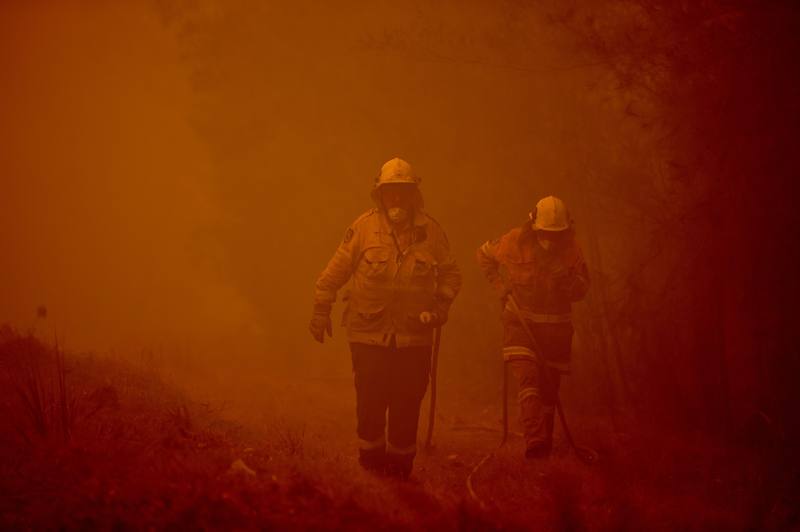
<point>660,481</point>
<point>321,411</point>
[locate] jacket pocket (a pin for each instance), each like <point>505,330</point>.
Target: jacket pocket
<point>423,269</point>
<point>375,262</point>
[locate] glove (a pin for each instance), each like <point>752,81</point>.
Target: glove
<point>429,318</point>
<point>320,324</point>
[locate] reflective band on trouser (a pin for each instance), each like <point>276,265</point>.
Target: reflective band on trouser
<point>518,351</point>
<point>392,449</point>
<point>370,445</point>
<point>524,393</point>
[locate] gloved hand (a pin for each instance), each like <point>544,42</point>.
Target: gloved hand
<point>320,324</point>
<point>429,318</point>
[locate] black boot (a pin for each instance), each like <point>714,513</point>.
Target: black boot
<point>373,459</point>
<point>542,449</point>
<point>399,465</point>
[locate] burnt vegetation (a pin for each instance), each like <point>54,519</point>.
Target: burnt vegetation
<point>696,327</point>
<point>703,309</point>
<point>705,299</point>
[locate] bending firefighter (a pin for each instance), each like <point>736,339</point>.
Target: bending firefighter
<point>540,267</point>
<point>403,280</point>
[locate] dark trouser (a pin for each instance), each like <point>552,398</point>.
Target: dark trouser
<point>389,379</point>
<point>538,374</point>
<point>538,394</point>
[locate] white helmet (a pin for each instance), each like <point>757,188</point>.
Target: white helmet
<point>550,214</point>
<point>397,171</point>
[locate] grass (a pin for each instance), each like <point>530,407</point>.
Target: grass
<point>288,439</point>
<point>43,406</point>
<point>92,442</point>
<point>89,442</point>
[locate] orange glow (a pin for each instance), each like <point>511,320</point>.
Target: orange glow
<point>174,175</point>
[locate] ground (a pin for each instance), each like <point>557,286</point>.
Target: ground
<point>123,444</point>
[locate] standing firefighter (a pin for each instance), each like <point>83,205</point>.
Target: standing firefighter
<point>541,268</point>
<point>403,282</point>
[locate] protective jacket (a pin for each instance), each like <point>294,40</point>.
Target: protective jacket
<point>389,287</point>
<point>544,284</point>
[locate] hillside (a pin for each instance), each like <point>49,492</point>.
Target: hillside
<point>91,442</point>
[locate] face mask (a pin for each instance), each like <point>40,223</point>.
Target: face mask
<point>546,243</point>
<point>397,215</point>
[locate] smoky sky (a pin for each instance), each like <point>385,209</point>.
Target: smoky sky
<point>176,174</point>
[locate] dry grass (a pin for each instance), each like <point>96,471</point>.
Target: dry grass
<point>287,438</point>
<point>95,443</point>
<point>43,405</point>
<point>89,442</point>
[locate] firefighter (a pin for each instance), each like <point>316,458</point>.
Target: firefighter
<point>403,281</point>
<point>541,265</point>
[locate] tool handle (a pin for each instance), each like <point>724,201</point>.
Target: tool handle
<point>505,404</point>
<point>437,335</point>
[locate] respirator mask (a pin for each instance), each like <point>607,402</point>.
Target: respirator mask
<point>397,215</point>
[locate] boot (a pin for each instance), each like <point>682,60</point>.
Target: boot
<point>373,459</point>
<point>399,465</point>
<point>542,449</point>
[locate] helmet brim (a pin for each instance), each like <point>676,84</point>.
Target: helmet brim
<point>550,229</point>
<point>376,196</point>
